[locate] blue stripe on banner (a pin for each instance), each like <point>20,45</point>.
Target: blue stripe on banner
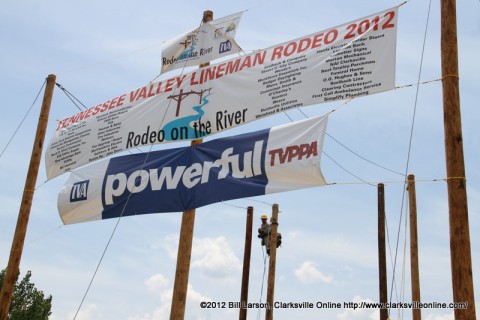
<point>186,178</point>
<point>246,168</point>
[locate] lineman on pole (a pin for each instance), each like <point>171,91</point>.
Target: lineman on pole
<point>264,233</point>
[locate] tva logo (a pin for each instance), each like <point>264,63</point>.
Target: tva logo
<point>79,191</point>
<point>225,46</point>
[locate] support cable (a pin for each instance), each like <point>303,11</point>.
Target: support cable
<point>410,142</point>
<point>338,164</point>
<point>387,182</point>
<point>99,263</point>
<point>269,204</point>
<point>24,117</point>
<point>43,235</point>
<point>232,205</point>
<point>263,282</point>
<point>71,97</point>
<point>257,5</point>
<point>121,214</point>
<point>391,257</point>
<point>344,146</point>
<point>349,172</point>
<point>402,286</point>
<point>361,157</point>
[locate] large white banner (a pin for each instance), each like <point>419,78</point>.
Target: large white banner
<point>279,159</point>
<point>212,40</point>
<point>350,60</point>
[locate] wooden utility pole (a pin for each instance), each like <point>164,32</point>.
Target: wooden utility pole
<point>382,258</point>
<point>24,213</point>
<point>246,264</point>
<point>460,252</point>
<point>415,274</point>
<point>180,287</point>
<point>272,262</point>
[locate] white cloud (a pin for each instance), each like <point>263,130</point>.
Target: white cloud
<point>170,244</point>
<point>212,256</point>
<point>192,311</point>
<point>215,258</point>
<point>156,282</point>
<point>308,273</point>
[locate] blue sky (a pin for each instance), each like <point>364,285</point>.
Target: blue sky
<point>329,252</point>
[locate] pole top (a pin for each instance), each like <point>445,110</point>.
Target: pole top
<point>207,16</point>
<point>274,210</point>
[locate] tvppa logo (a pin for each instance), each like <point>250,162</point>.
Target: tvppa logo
<point>79,191</point>
<point>288,154</point>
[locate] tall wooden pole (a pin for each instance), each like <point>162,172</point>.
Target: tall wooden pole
<point>415,274</point>
<point>272,262</point>
<point>24,213</point>
<point>460,252</point>
<point>180,287</point>
<point>246,264</point>
<point>382,257</point>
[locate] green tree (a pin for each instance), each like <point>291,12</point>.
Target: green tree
<point>28,302</point>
